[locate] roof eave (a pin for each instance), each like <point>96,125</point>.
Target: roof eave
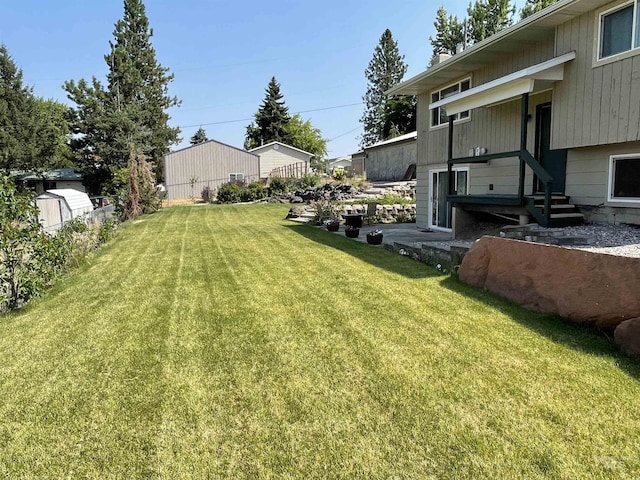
<point>411,86</point>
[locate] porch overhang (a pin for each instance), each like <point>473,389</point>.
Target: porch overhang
<point>528,80</point>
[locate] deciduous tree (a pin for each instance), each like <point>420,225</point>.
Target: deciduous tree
<point>301,134</point>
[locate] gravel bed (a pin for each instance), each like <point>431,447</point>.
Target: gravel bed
<point>620,240</point>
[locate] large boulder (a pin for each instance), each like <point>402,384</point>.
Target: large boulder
<point>627,336</point>
<point>583,286</point>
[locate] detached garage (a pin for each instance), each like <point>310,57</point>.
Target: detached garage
<point>210,164</point>
<point>59,206</point>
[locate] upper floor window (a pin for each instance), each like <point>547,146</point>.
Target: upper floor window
<point>439,115</point>
<point>619,29</point>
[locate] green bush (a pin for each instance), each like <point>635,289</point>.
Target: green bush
<point>279,185</point>
<point>207,195</point>
<point>339,174</point>
<point>30,259</point>
<point>309,180</point>
<point>254,191</point>
<point>229,192</point>
<point>324,210</point>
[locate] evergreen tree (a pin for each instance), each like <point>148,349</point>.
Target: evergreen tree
<point>199,137</point>
<point>533,6</point>
<point>385,69</point>
<point>271,119</point>
<point>34,133</point>
<point>131,109</point>
<point>449,33</point>
<point>487,17</point>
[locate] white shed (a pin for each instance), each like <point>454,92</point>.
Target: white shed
<point>60,205</point>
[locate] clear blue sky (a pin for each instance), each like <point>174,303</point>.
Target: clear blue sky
<point>223,54</point>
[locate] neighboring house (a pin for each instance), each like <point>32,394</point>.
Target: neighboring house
<point>58,206</point>
<point>277,155</point>
<point>548,106</point>
<point>340,162</point>
<point>391,159</point>
<point>210,164</point>
<point>53,179</point>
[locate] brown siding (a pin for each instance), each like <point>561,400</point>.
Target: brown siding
<point>209,164</point>
<point>594,105</point>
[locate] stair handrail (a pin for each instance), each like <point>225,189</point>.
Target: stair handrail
<point>544,177</point>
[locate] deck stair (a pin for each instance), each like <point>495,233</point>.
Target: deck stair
<point>563,213</point>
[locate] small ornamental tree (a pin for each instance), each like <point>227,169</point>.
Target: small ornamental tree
<point>29,258</point>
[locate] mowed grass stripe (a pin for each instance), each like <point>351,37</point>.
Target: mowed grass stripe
<point>236,344</point>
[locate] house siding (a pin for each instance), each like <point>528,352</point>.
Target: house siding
<point>390,162</point>
<point>595,105</point>
<point>588,173</point>
<point>209,164</point>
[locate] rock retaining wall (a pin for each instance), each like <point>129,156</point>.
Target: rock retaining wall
<point>582,286</point>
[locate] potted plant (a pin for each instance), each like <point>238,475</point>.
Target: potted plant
<point>374,237</point>
<point>351,231</point>
<point>332,225</point>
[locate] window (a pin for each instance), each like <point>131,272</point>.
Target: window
<point>439,115</point>
<point>236,177</point>
<point>624,178</point>
<point>619,30</point>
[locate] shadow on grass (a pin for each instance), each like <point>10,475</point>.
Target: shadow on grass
<point>584,338</point>
<point>376,256</point>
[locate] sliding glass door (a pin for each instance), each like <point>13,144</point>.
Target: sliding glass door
<point>439,208</point>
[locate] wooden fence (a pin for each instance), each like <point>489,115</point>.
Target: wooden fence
<point>294,170</point>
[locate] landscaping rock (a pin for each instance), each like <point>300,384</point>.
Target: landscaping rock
<point>295,212</point>
<point>627,336</point>
<point>583,286</point>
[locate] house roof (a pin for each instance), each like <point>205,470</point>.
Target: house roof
<point>402,138</point>
<point>333,161</point>
<point>272,144</point>
<point>57,174</point>
<point>204,143</point>
<point>516,38</point>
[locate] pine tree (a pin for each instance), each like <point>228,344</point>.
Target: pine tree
<point>488,17</point>
<point>34,133</point>
<point>385,69</point>
<point>449,33</point>
<point>16,101</point>
<point>533,6</point>
<point>132,107</point>
<point>271,119</point>
<point>199,137</point>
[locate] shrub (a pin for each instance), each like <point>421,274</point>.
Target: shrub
<point>309,180</point>
<point>207,195</point>
<point>279,185</point>
<point>29,258</point>
<point>324,210</point>
<point>107,230</point>
<point>229,192</point>
<point>254,191</point>
<point>339,174</point>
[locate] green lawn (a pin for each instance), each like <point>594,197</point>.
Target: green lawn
<point>223,341</point>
